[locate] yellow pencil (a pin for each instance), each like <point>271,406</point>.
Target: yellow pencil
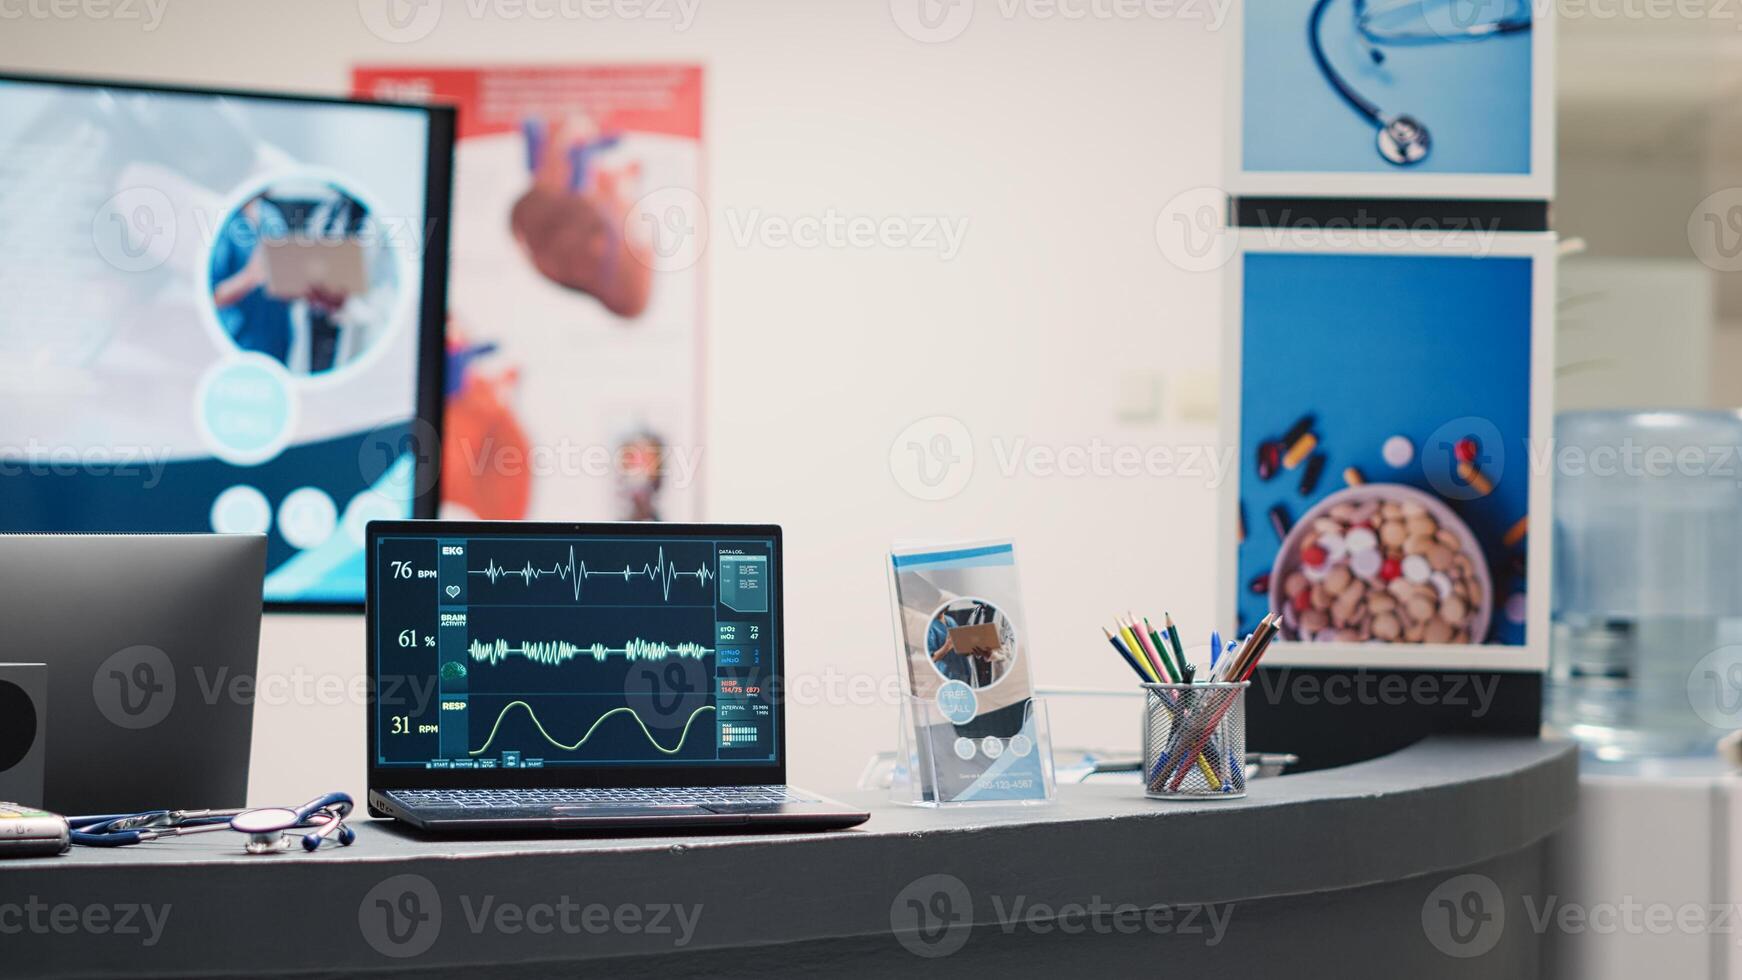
<point>1137,653</point>
<point>1209,774</point>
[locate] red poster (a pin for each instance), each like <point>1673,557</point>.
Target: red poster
<point>575,292</point>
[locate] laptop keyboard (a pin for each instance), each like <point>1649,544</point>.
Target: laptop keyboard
<point>490,799</point>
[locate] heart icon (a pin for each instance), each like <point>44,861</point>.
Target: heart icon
<point>453,592</point>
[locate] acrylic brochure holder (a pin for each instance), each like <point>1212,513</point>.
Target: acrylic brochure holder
<point>941,762</point>
<point>972,732</point>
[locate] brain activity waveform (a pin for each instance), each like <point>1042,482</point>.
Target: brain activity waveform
<point>658,571</point>
<point>557,652</point>
<point>510,706</point>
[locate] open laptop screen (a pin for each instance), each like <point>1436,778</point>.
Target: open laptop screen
<point>521,647</point>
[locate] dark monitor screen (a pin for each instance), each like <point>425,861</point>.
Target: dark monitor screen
<point>213,309</point>
<point>628,646</point>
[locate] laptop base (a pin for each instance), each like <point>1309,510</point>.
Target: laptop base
<point>813,813</point>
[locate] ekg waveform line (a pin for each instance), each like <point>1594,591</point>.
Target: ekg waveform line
<point>557,652</point>
<point>659,571</point>
<point>674,750</point>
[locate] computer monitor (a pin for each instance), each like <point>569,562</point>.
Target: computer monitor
<point>524,654</point>
<point>151,642</point>
<point>221,311</point>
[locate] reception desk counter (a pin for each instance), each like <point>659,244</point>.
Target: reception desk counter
<point>1410,865</point>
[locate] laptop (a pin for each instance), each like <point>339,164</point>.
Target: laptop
<point>145,636</point>
<point>580,677</point>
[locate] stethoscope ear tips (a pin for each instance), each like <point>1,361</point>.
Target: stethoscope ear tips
<point>1403,140</point>
<point>346,836</point>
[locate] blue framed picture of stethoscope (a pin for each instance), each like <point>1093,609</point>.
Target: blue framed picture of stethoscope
<point>1437,98</point>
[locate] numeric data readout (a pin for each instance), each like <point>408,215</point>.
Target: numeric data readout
<point>548,651</point>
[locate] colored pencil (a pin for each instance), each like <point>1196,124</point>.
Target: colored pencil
<point>1137,653</point>
<point>1142,675</point>
<point>1161,642</point>
<point>1161,666</point>
<point>1179,650</point>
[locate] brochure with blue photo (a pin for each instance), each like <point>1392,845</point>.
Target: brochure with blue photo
<point>966,671</point>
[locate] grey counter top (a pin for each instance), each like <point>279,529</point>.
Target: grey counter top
<point>1446,803</point>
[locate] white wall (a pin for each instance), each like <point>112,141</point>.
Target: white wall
<point>1647,130</point>
<point>1605,356</point>
<point>1058,140</point>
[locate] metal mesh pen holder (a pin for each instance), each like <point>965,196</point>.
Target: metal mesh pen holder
<point>1194,741</point>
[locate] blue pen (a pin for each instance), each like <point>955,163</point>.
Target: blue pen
<point>1215,648</point>
<point>1174,743</point>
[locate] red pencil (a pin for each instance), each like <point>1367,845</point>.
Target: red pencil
<point>1259,641</point>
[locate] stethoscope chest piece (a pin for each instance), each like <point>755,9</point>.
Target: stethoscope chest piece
<point>266,843</point>
<point>1403,140</point>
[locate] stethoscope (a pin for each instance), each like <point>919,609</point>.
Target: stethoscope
<point>1403,139</point>
<point>269,829</point>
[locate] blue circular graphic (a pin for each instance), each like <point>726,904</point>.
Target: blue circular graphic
<point>245,409</point>
<point>957,702</point>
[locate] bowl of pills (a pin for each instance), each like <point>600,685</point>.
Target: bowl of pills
<point>1384,563</point>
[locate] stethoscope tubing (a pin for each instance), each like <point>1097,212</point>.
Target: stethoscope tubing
<point>1366,17</point>
<point>1316,43</point>
<point>324,816</point>
<point>1360,103</point>
<point>123,829</point>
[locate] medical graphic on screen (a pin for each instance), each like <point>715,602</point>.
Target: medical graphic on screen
<point>1389,87</point>
<point>505,652</point>
<point>1385,482</point>
<point>211,318</point>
